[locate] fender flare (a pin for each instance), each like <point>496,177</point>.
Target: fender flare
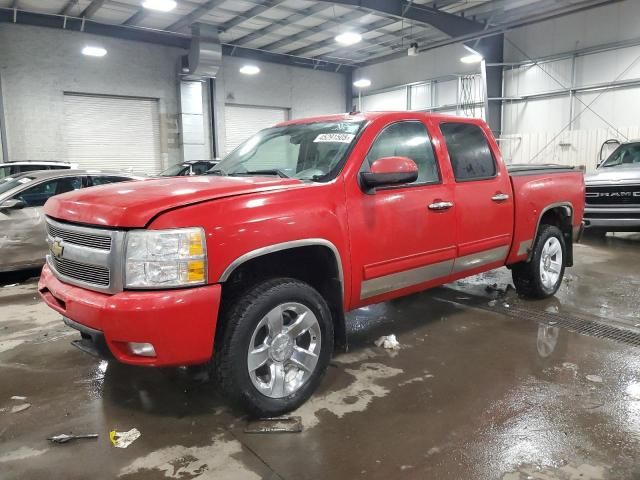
<point>566,205</point>
<point>278,247</point>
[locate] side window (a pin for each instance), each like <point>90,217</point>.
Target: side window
<point>102,180</point>
<point>31,168</point>
<point>469,151</point>
<point>406,139</point>
<point>200,167</point>
<point>38,195</point>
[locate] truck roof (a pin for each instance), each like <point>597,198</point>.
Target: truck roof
<point>355,116</point>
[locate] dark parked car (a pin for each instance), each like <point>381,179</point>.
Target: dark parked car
<point>190,167</point>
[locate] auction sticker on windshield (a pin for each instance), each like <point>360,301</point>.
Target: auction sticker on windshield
<point>334,138</point>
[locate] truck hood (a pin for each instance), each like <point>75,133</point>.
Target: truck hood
<point>614,176</point>
<point>134,204</point>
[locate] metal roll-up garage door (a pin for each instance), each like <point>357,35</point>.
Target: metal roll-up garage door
<point>242,121</point>
<point>113,132</point>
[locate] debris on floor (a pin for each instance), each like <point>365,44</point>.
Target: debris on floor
<point>18,397</point>
<point>275,425</point>
<point>594,378</point>
<point>390,342</point>
<point>11,285</point>
<point>20,408</point>
<point>493,303</point>
<point>124,439</point>
<point>64,438</point>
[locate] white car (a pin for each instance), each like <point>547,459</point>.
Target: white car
<point>14,168</point>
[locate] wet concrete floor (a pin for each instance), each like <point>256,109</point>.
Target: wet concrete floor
<point>472,394</point>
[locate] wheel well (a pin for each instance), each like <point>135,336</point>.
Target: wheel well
<point>561,217</point>
<point>316,265</point>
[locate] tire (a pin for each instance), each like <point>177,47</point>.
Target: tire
<point>251,324</point>
<point>532,279</point>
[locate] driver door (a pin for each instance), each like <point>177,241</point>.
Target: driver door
<point>400,242</point>
<point>23,230</point>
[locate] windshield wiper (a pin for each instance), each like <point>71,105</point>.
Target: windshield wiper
<point>270,171</point>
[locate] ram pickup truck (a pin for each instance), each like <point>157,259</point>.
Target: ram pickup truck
<point>250,269</point>
<point>613,192</point>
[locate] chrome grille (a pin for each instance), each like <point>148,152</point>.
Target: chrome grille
<point>93,274</point>
<point>102,242</point>
<point>89,257</point>
<point>613,194</point>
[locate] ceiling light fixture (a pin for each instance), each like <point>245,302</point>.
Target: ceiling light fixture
<point>94,51</point>
<point>362,83</point>
<point>473,58</point>
<point>160,5</point>
<point>348,38</point>
<point>250,70</point>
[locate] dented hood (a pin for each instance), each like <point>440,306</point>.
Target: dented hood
<point>134,204</point>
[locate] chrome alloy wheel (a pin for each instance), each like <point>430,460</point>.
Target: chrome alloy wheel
<point>551,262</point>
<point>284,350</point>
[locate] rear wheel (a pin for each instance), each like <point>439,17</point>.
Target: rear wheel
<point>276,346</point>
<point>542,276</point>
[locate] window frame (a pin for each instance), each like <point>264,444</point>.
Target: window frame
<point>484,135</point>
<point>404,185</point>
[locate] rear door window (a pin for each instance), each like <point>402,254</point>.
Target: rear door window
<point>200,167</point>
<point>38,195</point>
<point>469,151</point>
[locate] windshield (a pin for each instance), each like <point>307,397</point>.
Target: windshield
<point>309,151</point>
<point>10,183</point>
<point>174,171</point>
<point>624,156</point>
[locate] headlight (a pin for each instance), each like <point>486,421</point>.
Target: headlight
<point>165,258</point>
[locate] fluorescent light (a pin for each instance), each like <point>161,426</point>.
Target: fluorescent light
<point>250,70</point>
<point>94,51</point>
<point>473,58</point>
<point>348,38</point>
<point>362,83</point>
<point>160,5</point>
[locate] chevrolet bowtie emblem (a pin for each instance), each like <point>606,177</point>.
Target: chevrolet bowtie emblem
<point>57,248</point>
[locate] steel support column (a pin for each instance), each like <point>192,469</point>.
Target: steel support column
<point>491,49</point>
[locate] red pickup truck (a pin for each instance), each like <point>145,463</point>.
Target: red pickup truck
<point>251,267</point>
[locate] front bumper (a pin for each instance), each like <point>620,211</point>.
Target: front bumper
<point>180,323</point>
<point>612,218</point>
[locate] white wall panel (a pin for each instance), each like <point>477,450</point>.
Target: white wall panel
<point>420,96</point>
<point>385,101</point>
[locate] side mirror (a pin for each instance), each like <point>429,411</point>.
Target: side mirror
<point>390,171</point>
<point>12,204</point>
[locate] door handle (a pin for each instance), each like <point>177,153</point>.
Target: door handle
<point>500,197</point>
<point>440,205</point>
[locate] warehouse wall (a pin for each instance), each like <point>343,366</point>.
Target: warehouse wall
<point>303,91</point>
<point>38,64</point>
<point>539,130</point>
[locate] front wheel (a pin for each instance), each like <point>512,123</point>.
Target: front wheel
<point>276,346</point>
<point>542,276</point>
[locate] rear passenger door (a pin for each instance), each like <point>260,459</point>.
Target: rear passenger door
<point>483,203</point>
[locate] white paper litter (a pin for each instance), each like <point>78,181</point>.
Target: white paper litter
<point>20,408</point>
<point>18,397</point>
<point>124,439</point>
<point>594,378</point>
<point>390,342</point>
<point>11,285</point>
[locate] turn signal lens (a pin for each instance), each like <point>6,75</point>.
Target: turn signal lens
<point>196,271</point>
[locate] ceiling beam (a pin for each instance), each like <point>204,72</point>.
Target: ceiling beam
<point>452,25</point>
<point>195,15</point>
<point>249,14</point>
<point>92,8</point>
<point>66,10</point>
<point>278,24</point>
